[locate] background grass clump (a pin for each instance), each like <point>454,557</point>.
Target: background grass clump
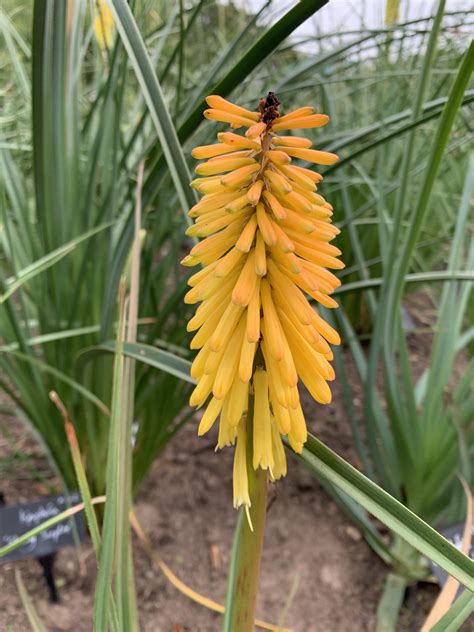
<point>78,124</point>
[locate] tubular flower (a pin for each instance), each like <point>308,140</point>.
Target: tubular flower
<point>265,249</point>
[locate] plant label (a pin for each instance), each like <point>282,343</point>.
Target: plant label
<point>15,520</point>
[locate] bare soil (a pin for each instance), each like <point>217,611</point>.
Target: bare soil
<point>317,570</point>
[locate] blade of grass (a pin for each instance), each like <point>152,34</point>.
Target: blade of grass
<point>392,513</point>
<point>33,617</point>
<point>448,593</point>
<point>42,264</point>
<point>155,100</point>
<point>163,360</point>
<point>459,612</point>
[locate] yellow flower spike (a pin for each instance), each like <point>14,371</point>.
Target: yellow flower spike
<point>104,25</point>
<point>266,249</point>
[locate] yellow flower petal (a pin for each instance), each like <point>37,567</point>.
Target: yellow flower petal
<point>265,225</point>
<point>245,241</point>
<point>312,155</point>
<point>210,151</point>
<point>262,429</point>
<point>247,356</point>
<point>226,326</point>
<point>256,130</point>
<point>277,181</point>
<point>273,337</point>
<point>228,262</point>
<point>237,401</point>
<point>213,167</point>
<point>240,479</point>
<point>228,367</point>
<point>210,415</point>
<point>295,114</point>
<point>305,122</point>
<point>239,177</point>
<point>208,185</point>
<point>260,256</point>
<point>219,103</point>
<point>298,425</point>
<point>277,208</point>
<point>253,194</point>
<point>278,157</point>
<point>228,117</point>
<point>253,315</point>
<point>227,433</point>
<point>279,465</point>
<point>297,177</point>
<point>292,141</point>
<point>238,204</point>
<point>202,391</point>
<point>245,286</point>
<point>239,142</point>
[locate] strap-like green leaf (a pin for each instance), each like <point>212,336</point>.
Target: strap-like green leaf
<point>397,517</point>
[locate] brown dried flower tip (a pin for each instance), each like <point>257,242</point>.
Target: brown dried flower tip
<point>269,108</point>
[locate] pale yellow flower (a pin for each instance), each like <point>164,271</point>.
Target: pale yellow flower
<point>104,25</point>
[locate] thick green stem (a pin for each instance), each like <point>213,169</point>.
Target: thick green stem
<point>247,550</point>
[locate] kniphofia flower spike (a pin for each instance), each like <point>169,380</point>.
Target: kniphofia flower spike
<point>265,248</point>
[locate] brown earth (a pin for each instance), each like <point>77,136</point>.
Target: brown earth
<point>316,566</point>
